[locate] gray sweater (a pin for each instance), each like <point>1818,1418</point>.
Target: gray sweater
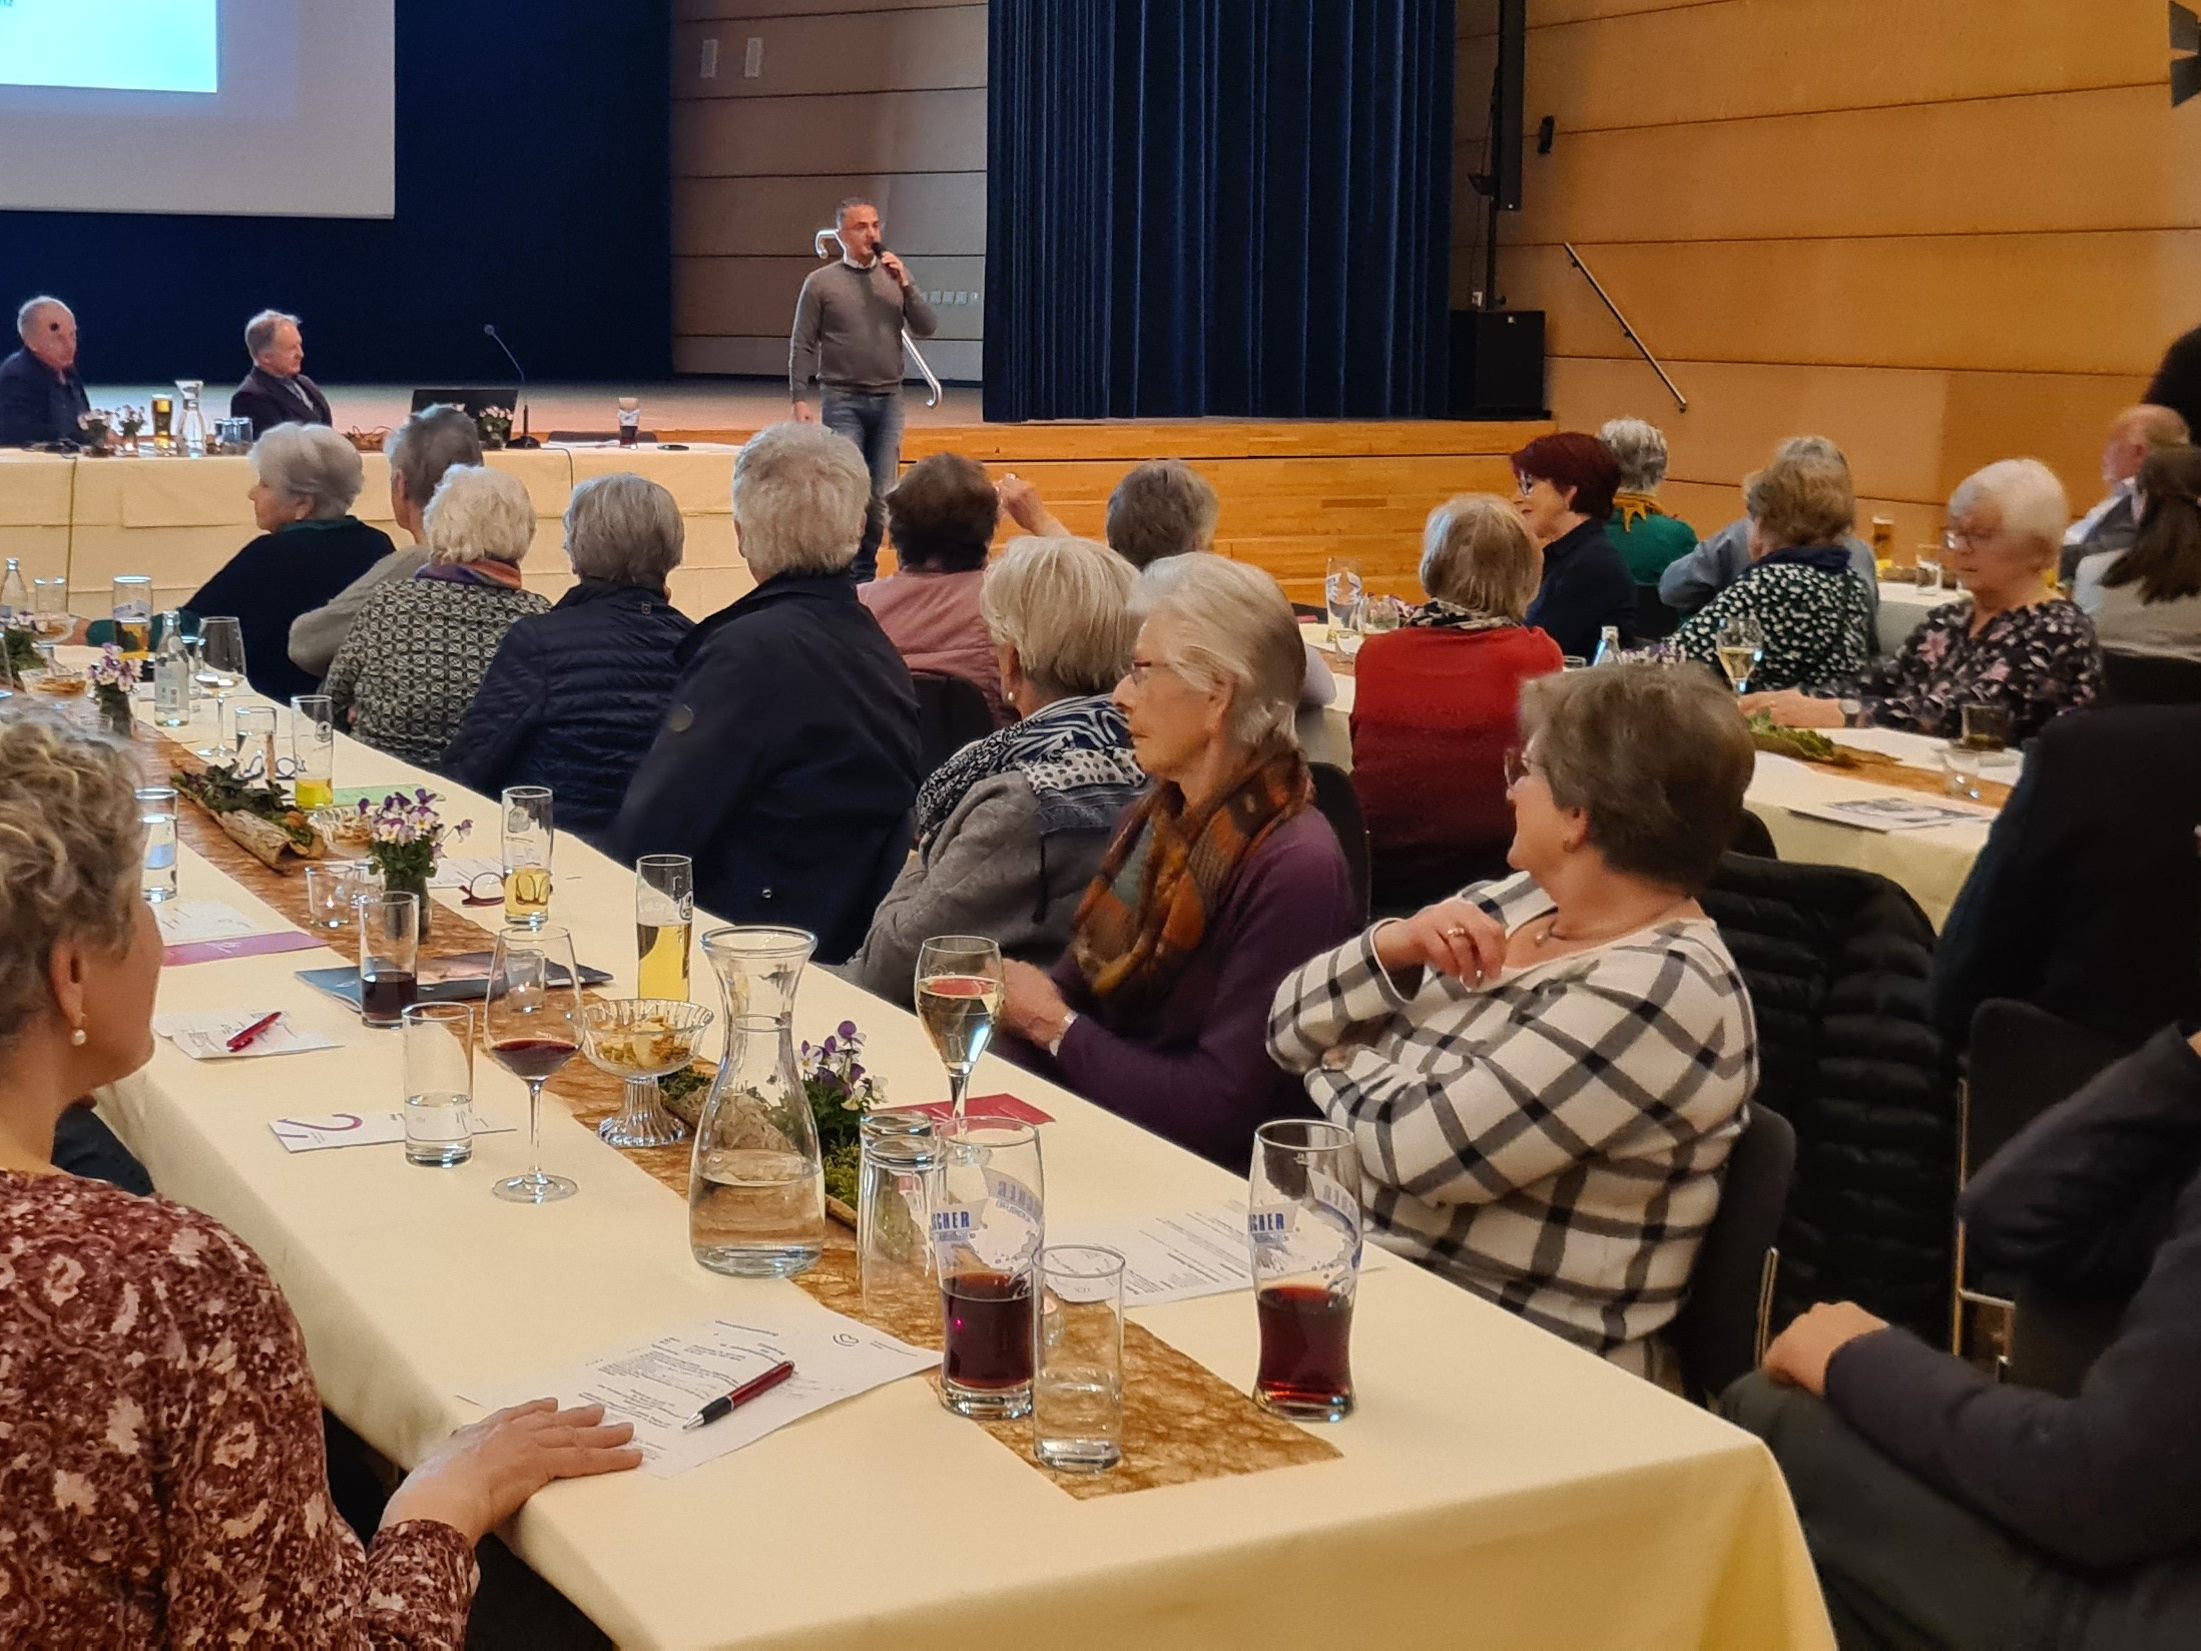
<point>848,330</point>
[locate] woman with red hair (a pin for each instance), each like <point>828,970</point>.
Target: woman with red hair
<point>1567,484</point>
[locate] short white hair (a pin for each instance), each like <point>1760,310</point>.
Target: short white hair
<point>1065,606</point>
<point>479,514</point>
<point>260,330</point>
<point>27,317</point>
<point>310,464</point>
<point>800,494</point>
<point>2032,501</point>
<point>624,530</point>
<point>1233,629</point>
<point>1640,450</point>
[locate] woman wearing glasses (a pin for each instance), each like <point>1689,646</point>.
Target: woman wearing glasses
<point>1545,1075</point>
<point>2017,645</point>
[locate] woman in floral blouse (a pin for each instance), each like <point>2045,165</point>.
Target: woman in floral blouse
<point>1799,588</point>
<point>163,1479</point>
<point>2016,644</point>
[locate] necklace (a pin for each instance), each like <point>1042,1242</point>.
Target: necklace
<point>1552,936</point>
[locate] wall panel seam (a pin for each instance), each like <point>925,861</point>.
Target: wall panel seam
<point>2154,83</point>
<point>1675,367</point>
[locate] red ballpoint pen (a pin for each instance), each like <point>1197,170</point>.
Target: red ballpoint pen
<point>727,1404</point>
<point>252,1032</point>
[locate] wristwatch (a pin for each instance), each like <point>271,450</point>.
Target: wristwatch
<point>1069,1019</point>
<point>1851,710</point>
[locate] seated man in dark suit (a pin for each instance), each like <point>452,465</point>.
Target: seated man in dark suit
<point>2086,901</point>
<point>1945,1509</point>
<point>41,398</point>
<point>277,391</point>
<point>2115,522</point>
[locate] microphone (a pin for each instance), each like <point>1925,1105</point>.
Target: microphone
<point>524,439</point>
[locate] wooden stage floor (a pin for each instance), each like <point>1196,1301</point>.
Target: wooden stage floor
<point>1295,493</point>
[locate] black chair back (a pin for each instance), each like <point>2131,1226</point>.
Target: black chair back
<point>1340,805</point>
<point>950,714</point>
<point>2138,679</point>
<point>1753,836</point>
<point>1654,620</point>
<point>2021,1061</point>
<point>1720,1330</point>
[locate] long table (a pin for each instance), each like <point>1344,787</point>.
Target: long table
<point>179,520</point>
<point>1497,1485</point>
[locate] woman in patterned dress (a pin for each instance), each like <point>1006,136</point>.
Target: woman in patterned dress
<point>162,1480</point>
<point>1799,588</point>
<point>2016,645</point>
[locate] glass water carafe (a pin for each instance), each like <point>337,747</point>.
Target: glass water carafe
<point>190,422</point>
<point>756,1186</point>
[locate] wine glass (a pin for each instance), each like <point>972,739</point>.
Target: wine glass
<point>221,669</point>
<point>1741,645</point>
<point>531,1027</point>
<point>1347,634</point>
<point>1342,589</point>
<point>958,999</point>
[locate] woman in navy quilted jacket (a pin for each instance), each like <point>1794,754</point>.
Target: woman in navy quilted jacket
<point>575,695</point>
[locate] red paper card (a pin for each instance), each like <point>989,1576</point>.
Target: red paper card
<point>245,945</point>
<point>1003,1108</point>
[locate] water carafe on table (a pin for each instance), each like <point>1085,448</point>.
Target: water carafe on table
<point>191,426</point>
<point>756,1186</point>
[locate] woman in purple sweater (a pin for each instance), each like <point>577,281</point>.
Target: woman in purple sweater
<point>1221,880</point>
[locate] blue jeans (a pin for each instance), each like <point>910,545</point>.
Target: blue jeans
<point>874,423</point>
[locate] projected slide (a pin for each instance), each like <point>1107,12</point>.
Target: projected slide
<point>111,45</point>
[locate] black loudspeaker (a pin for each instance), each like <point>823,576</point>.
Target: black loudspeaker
<point>1497,364</point>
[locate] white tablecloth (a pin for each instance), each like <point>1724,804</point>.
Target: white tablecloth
<point>1497,1484</point>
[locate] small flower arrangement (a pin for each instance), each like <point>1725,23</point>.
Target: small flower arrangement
<point>131,422</point>
<point>98,425</point>
<point>112,677</point>
<point>840,1092</point>
<point>405,836</point>
<point>495,426</point>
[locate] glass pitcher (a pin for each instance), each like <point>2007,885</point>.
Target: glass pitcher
<point>190,422</point>
<point>756,1186</point>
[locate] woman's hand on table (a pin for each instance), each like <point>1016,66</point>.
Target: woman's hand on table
<point>1792,708</point>
<point>479,1477</point>
<point>1455,937</point>
<point>1032,1004</point>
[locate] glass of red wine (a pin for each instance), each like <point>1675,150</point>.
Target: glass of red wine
<point>1303,1224</point>
<point>958,992</point>
<point>988,1226</point>
<point>389,955</point>
<point>531,1028</point>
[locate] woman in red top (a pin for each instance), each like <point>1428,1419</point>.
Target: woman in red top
<point>1436,703</point>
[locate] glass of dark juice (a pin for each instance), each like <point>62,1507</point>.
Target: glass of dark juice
<point>1303,1224</point>
<point>389,956</point>
<point>988,1225</point>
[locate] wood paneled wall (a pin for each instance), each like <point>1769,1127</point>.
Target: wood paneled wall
<point>885,98</point>
<point>1939,231</point>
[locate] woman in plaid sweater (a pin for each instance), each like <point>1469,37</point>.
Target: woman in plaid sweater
<point>1546,1074</point>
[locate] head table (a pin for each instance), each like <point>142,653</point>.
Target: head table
<point>1497,1485</point>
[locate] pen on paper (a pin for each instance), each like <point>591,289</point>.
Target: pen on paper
<point>252,1033</point>
<point>727,1404</point>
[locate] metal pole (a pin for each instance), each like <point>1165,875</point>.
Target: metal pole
<point>1575,258</point>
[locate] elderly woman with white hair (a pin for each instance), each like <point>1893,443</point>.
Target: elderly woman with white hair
<point>787,760</point>
<point>574,695</point>
<point>410,664</point>
<point>1011,828</point>
<point>1437,705</point>
<point>1222,878</point>
<point>1649,540</point>
<point>2016,645</point>
<point>305,478</point>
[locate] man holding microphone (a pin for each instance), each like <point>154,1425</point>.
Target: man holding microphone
<point>848,337</point>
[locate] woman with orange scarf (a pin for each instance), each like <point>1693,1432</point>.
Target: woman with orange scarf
<point>1222,879</point>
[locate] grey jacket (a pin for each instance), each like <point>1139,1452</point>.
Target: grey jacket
<point>316,634</point>
<point>986,871</point>
<point>1693,580</point>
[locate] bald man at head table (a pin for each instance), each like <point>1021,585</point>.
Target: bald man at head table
<point>277,390</point>
<point>41,398</point>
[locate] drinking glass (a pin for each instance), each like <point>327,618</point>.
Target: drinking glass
<point>1741,644</point>
<point>894,1258</point>
<point>988,1224</point>
<point>1077,1376</point>
<point>1986,728</point>
<point>1347,634</point>
<point>1381,615</point>
<point>630,420</point>
<point>958,999</point>
<point>531,1028</point>
<point>313,751</point>
<point>1342,587</point>
<point>252,731</point>
<point>1927,574</point>
<point>439,1083</point>
<point>334,888</point>
<point>50,619</point>
<point>221,670</point>
<point>528,838</point>
<point>1303,1223</point>
<point>389,955</point>
<point>157,813</point>
<point>664,918</point>
<point>133,614</point>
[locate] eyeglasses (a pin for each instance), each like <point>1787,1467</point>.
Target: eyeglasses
<point>1957,535</point>
<point>485,889</point>
<point>1518,767</point>
<point>1525,482</point>
<point>1141,669</point>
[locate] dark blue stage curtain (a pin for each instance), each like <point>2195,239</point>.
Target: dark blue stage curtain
<point>1218,207</point>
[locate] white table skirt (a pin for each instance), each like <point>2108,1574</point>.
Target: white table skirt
<point>1496,1479</point>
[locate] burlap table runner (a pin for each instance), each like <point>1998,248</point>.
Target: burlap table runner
<point>1881,769</point>
<point>1182,1422</point>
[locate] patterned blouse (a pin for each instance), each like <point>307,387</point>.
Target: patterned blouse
<point>413,660</point>
<point>1817,625</point>
<point>162,1476</point>
<point>2036,662</point>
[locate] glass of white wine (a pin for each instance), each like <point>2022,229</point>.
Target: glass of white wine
<point>221,670</point>
<point>958,999</point>
<point>528,839</point>
<point>1741,646</point>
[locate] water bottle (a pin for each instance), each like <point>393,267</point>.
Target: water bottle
<point>15,599</point>
<point>171,675</point>
<point>1608,646</point>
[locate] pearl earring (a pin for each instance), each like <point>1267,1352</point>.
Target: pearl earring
<point>77,1038</point>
